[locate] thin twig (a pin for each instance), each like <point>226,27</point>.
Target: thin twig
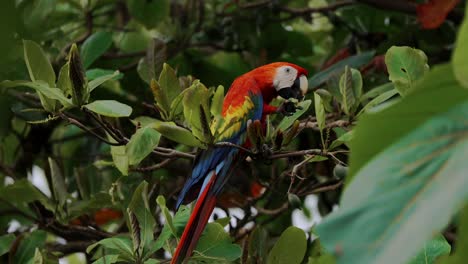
<point>87,129</point>
<point>155,166</point>
<point>273,212</point>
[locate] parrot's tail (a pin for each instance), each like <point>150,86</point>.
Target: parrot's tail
<point>197,222</point>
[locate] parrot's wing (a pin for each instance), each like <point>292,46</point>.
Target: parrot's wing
<point>214,165</point>
<point>248,105</point>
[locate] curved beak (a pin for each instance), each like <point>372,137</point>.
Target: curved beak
<point>297,90</point>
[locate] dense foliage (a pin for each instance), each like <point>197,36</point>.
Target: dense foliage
<point>104,104</point>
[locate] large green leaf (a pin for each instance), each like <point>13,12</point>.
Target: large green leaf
<point>290,247</point>
<point>405,66</point>
<point>109,108</point>
<point>178,134</point>
<point>42,88</point>
<point>460,54</point>
<point>350,90</point>
<point>122,244</point>
<point>39,67</point>
<point>141,144</point>
<point>58,183</point>
<point>169,83</point>
<point>392,123</point>
<point>95,46</point>
<point>215,244</point>
<point>197,111</point>
<point>107,259</point>
<point>355,61</point>
<point>421,176</point>
<point>5,243</point>
<point>120,158</point>
<point>25,252</point>
<point>433,249</point>
<point>174,226</point>
<point>102,79</point>
<point>140,207</point>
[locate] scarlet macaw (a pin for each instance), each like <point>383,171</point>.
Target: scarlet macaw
<point>247,99</point>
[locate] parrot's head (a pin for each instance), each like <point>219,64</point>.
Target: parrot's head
<point>284,79</point>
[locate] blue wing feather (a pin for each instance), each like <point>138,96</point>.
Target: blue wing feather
<point>221,158</point>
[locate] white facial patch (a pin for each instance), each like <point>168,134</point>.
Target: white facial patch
<point>285,77</point>
<point>304,84</point>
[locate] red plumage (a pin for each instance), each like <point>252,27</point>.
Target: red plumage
<point>248,98</point>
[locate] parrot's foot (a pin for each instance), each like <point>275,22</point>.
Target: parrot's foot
<point>288,108</point>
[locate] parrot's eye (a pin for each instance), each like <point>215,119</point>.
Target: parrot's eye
<point>287,70</point>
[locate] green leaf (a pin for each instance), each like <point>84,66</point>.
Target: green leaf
<point>140,207</point>
<point>378,100</point>
<point>24,192</point>
<point>27,248</point>
<point>197,112</point>
<point>96,73</point>
<point>177,107</point>
<point>289,120</point>
<point>120,158</point>
<point>215,244</point>
<point>319,112</point>
<point>122,244</point>
<point>161,201</point>
<point>107,259</point>
<point>433,249</point>
<point>460,54</point>
<point>58,183</point>
<point>39,67</point>
<point>109,108</point>
<point>141,144</point>
<point>343,139</point>
<point>42,88</point>
<point>169,83</point>
<point>402,117</point>
<point>333,71</point>
<point>102,79</point>
<point>149,13</point>
<point>156,54</point>
<point>376,91</point>
<point>5,243</point>
<point>217,101</point>
<point>178,222</point>
<point>64,82</point>
<point>161,98</point>
<point>144,121</point>
<point>80,91</point>
<point>350,89</point>
<point>94,46</point>
<point>405,66</point>
<point>290,247</point>
<point>178,134</point>
<point>410,178</point>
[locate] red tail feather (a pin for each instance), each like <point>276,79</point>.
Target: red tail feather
<point>196,224</point>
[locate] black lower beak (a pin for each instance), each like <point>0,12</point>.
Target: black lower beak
<point>292,92</point>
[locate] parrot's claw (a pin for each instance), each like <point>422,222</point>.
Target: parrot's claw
<point>288,108</point>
